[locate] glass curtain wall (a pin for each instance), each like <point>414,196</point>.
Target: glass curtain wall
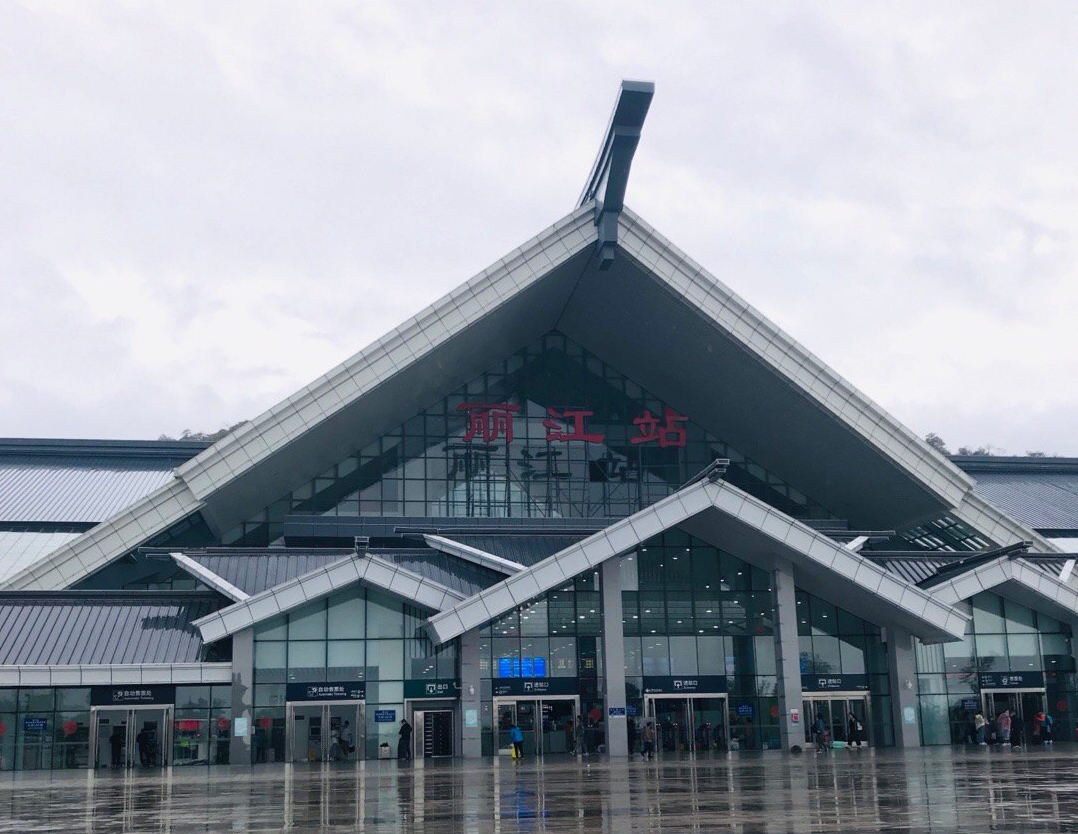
<point>44,728</point>
<point>556,635</point>
<point>1004,637</point>
<point>835,642</point>
<point>356,635</point>
<point>551,431</point>
<point>691,609</point>
<point>201,725</point>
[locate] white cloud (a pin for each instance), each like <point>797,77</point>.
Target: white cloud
<point>203,206</point>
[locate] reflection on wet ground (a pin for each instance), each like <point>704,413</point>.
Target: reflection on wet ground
<point>935,790</point>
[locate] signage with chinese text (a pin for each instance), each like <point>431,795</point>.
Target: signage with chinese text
<point>340,691</point>
<point>443,688</point>
<point>834,683</point>
<point>688,684</point>
<point>1012,680</point>
<point>493,422</point>
<point>535,686</point>
<point>385,716</point>
<point>114,696</point>
<point>616,712</point>
<point>34,725</point>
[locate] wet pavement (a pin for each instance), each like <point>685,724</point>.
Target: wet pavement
<point>936,789</point>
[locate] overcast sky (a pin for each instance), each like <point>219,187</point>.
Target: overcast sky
<point>205,206</point>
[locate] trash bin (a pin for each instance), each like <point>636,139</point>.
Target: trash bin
<point>383,750</point>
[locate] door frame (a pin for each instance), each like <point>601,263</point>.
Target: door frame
<point>986,696</point>
<point>290,726</point>
<point>500,700</point>
<point>649,714</point>
<point>421,706</point>
<point>130,745</point>
<point>851,695</point>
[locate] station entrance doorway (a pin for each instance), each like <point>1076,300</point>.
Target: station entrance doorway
<point>547,723</point>
<point>433,735</point>
<point>130,737</point>
<point>688,723</point>
<point>1024,703</point>
<point>836,709</point>
<point>324,731</point>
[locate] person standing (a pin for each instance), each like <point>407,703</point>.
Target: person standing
<point>648,750</point>
<point>1046,730</point>
<point>979,725</point>
<point>819,731</point>
<point>854,730</point>
<point>516,738</point>
<point>404,745</point>
<point>1003,725</point>
<point>116,742</point>
<point>1038,723</point>
<point>632,734</point>
<point>143,742</point>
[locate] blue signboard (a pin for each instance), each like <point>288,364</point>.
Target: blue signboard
<point>969,704</point>
<point>745,711</point>
<point>521,667</point>
<point>617,712</point>
<point>385,716</point>
<point>34,725</point>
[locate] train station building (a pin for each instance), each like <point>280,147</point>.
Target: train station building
<point>590,489</point>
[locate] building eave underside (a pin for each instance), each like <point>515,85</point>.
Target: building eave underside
<point>1026,583</point>
<point>719,513</point>
<point>368,570</point>
<point>769,382</point>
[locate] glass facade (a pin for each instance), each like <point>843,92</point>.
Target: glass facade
<point>1005,639</point>
<point>550,432</point>
<point>202,725</point>
<point>355,635</point>
<point>556,635</point>
<point>44,728</point>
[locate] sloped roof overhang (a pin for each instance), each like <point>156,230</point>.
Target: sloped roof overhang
<point>656,315</point>
<point>1011,576</point>
<point>368,570</point>
<point>725,516</point>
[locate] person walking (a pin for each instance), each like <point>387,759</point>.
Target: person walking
<point>1038,723</point>
<point>516,737</point>
<point>404,745</point>
<point>854,730</point>
<point>648,750</point>
<point>979,725</point>
<point>1046,730</point>
<point>1003,726</point>
<point>348,743</point>
<point>819,731</point>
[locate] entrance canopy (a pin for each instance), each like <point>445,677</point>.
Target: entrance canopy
<point>1036,586</point>
<point>724,516</point>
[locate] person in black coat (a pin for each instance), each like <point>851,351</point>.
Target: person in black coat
<point>404,746</point>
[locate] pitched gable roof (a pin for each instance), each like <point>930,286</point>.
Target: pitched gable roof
<point>656,310</point>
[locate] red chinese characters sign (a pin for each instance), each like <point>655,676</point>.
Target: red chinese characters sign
<point>489,422</point>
